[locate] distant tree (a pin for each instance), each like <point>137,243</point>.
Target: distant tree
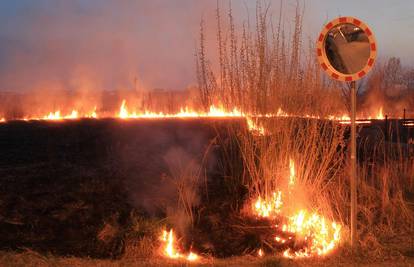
<point>393,74</point>
<point>408,78</point>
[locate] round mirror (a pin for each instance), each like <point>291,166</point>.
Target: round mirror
<point>346,49</point>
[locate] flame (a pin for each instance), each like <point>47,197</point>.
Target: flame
<point>93,114</point>
<point>73,115</point>
<point>170,250</point>
<point>321,236</point>
<point>380,114</point>
<point>260,253</point>
<point>2,120</point>
<point>269,208</point>
<point>53,116</point>
<point>292,175</point>
<point>254,127</point>
<point>125,112</point>
<point>213,112</point>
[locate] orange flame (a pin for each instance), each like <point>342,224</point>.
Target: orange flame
<point>170,250</point>
<point>185,112</point>
<point>269,208</point>
<point>321,235</point>
<point>292,175</point>
<point>380,114</point>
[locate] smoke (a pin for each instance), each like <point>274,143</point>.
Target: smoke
<point>166,165</point>
<point>185,175</point>
<point>389,87</point>
<point>110,43</point>
<point>55,50</point>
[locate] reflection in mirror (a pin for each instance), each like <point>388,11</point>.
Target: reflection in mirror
<point>347,48</point>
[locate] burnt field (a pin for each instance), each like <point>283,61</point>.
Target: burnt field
<point>63,184</point>
<point>79,187</point>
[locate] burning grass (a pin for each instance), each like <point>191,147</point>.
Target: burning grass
<point>292,198</point>
<point>284,193</point>
<point>279,188</point>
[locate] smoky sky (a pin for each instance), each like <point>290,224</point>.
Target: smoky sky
<point>108,44</point>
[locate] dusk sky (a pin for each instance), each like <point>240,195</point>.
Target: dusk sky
<point>107,43</point>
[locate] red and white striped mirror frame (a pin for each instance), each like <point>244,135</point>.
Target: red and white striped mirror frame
<point>323,59</point>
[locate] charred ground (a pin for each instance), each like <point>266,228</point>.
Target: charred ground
<point>77,187</point>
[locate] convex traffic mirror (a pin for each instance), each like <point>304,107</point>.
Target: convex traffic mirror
<point>346,49</point>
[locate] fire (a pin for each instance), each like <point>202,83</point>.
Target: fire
<point>53,116</point>
<point>292,172</point>
<point>213,112</point>
<point>93,113</point>
<point>57,116</point>
<point>254,127</point>
<point>323,236</point>
<point>2,120</point>
<point>125,112</point>
<point>380,114</point>
<point>320,235</point>
<point>271,207</point>
<point>170,250</point>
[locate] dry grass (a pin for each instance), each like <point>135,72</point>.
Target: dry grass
<point>32,259</point>
<point>261,70</point>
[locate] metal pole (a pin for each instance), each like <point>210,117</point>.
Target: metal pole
<point>353,168</point>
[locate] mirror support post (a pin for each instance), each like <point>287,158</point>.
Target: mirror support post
<point>353,174</point>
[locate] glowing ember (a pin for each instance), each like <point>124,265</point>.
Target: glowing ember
<point>319,235</point>
<point>357,122</point>
<point>192,256</point>
<point>170,250</point>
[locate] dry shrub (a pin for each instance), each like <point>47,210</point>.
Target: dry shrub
<point>315,147</point>
<point>142,240</point>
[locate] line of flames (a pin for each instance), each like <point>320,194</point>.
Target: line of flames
<point>214,112</point>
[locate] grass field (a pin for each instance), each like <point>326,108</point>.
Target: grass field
<point>31,258</point>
